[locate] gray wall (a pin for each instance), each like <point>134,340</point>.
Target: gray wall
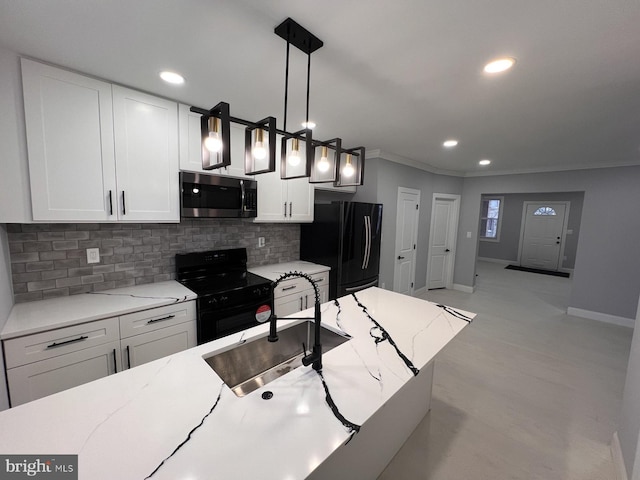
<point>6,302</point>
<point>630,415</point>
<point>606,277</point>
<point>382,179</point>
<point>507,247</point>
<point>49,260</point>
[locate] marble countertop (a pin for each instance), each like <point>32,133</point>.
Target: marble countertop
<point>275,271</point>
<point>174,418</point>
<point>34,317</point>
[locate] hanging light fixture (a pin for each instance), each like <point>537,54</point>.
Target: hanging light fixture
<point>214,129</point>
<point>260,149</point>
<point>300,155</point>
<point>295,161</point>
<point>351,168</point>
<point>324,167</point>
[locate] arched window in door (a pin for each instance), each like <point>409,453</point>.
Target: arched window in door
<point>545,211</point>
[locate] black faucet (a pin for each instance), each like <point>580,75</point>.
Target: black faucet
<point>315,357</point>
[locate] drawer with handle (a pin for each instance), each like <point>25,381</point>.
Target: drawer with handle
<point>156,318</point>
<point>40,346</point>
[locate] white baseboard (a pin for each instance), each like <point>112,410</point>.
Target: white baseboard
<point>463,288</point>
<point>420,291</point>
<point>497,260</point>
<point>601,317</point>
<point>618,460</point>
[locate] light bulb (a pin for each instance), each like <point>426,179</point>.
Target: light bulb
<point>213,142</point>
<point>323,164</point>
<point>294,154</point>
<point>259,150</point>
<point>348,169</point>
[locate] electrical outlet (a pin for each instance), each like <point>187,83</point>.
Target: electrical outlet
<point>468,234</point>
<point>261,242</point>
<point>93,255</point>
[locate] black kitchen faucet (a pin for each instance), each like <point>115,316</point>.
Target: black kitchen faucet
<point>315,357</point>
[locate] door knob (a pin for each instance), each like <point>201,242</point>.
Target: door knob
<point>400,258</point>
<point>447,250</point>
<point>557,243</point>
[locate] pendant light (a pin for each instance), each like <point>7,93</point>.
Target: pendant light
<point>214,129</point>
<point>351,168</point>
<point>260,147</point>
<point>324,167</point>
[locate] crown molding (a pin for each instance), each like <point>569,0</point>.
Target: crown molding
<point>392,157</point>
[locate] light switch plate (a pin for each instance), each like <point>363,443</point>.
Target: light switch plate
<point>261,242</point>
<point>93,255</point>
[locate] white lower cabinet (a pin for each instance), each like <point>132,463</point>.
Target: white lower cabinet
<point>156,333</point>
<point>49,362</point>
<point>296,294</point>
<point>39,379</point>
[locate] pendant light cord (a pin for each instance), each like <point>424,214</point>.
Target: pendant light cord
<point>286,88</point>
<point>308,82</point>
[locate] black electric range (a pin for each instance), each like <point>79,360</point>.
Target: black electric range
<point>230,299</point>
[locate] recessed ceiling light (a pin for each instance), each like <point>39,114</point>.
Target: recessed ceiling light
<point>499,65</point>
<point>172,77</point>
<point>309,125</point>
<point>484,162</point>
<point>450,143</point>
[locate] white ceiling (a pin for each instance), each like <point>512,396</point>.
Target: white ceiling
<point>397,76</point>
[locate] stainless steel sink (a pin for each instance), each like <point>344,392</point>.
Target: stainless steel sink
<point>251,365</point>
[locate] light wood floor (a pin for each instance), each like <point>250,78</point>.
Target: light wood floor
<point>525,392</point>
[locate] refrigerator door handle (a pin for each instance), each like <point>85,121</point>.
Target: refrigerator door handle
<point>368,255</point>
<point>366,242</point>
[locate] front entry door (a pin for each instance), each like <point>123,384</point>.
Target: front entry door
<point>542,235</point>
<point>406,239</point>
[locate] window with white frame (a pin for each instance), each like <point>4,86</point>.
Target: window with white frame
<point>491,218</point>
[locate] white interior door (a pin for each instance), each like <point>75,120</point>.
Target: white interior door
<point>542,235</point>
<point>442,239</point>
<point>406,239</point>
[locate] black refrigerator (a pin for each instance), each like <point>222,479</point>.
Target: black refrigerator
<point>346,237</point>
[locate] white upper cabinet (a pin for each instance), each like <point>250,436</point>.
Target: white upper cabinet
<point>280,200</point>
<point>69,127</point>
<point>89,141</point>
<point>146,145</point>
<point>191,146</point>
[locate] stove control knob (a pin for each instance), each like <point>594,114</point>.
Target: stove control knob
<point>213,301</point>
<point>223,299</point>
<point>256,292</point>
<point>266,289</point>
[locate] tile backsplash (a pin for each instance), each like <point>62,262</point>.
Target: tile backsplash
<point>50,260</point>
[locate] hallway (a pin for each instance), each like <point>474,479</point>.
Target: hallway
<point>526,392</point>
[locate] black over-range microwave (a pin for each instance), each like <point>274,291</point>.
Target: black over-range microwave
<point>217,196</point>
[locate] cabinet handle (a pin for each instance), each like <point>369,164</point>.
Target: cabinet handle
<point>128,358</point>
<point>290,209</point>
<point>67,342</point>
<point>318,280</point>
<point>289,288</point>
<point>301,304</point>
<point>110,202</point>
<point>124,204</point>
<point>168,317</point>
<point>115,361</point>
<point>285,209</point>
<point>306,301</point>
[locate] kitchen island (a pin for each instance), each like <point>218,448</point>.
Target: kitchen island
<point>174,418</point>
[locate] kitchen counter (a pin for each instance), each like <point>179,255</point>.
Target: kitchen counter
<point>174,418</point>
<point>275,270</point>
<point>34,317</point>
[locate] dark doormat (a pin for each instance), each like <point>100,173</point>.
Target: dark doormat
<point>537,270</point>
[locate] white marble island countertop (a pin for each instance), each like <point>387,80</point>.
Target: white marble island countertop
<point>174,418</point>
